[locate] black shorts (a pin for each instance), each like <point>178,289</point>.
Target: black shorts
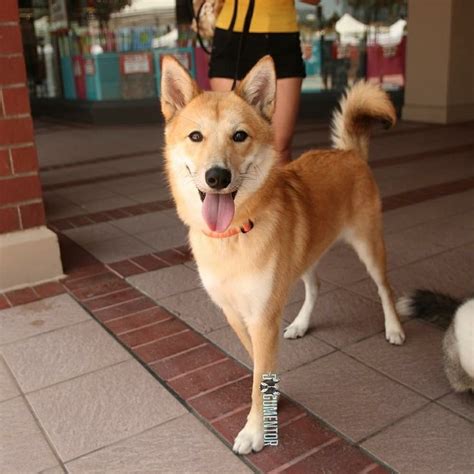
<point>284,48</point>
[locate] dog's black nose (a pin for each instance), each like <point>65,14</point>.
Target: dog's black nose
<point>218,178</point>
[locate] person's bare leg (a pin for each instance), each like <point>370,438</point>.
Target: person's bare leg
<point>221,84</point>
<point>286,111</point>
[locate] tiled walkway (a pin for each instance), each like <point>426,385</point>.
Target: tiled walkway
<point>127,366</point>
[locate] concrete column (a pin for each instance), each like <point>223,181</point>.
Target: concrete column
<point>440,61</point>
<point>29,252</point>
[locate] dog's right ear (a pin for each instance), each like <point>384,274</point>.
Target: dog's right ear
<point>258,87</point>
<point>177,87</point>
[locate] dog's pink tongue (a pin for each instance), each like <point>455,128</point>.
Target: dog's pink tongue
<point>218,211</point>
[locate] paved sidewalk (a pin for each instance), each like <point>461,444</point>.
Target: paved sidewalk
<point>127,366</point>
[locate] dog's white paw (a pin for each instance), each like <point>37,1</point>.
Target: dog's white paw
<point>294,331</point>
<point>395,336</point>
<point>249,439</point>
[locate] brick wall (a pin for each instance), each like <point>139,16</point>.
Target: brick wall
<point>21,203</point>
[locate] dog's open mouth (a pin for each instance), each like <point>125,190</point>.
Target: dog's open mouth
<point>218,210</point>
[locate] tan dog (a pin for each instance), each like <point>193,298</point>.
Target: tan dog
<point>256,228</point>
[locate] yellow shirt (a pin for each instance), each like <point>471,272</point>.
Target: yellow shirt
<point>269,16</point>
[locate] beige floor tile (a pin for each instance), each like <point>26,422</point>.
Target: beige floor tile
<point>163,239</point>
<point>450,272</point>
<point>85,193</point>
<point>59,208</point>
<point>433,440</point>
<point>23,448</point>
<point>144,223</point>
<point>435,209</point>
<point>351,397</point>
<point>291,353</point>
<point>154,194</point>
<point>463,220</point>
<point>95,410</point>
<point>8,387</point>
<point>406,246</point>
<point>461,403</point>
<point>396,145</point>
<point>41,316</point>
<point>78,144</point>
<point>181,445</point>
<point>62,354</point>
<point>109,203</point>
<point>297,293</point>
<point>341,318</point>
<point>92,170</point>
<point>133,184</point>
<point>94,233</point>
<point>196,308</point>
<point>117,249</point>
<point>192,265</point>
<point>166,282</point>
<point>228,341</point>
<point>454,231</point>
<point>419,173</point>
<point>341,266</point>
<point>54,470</point>
<point>417,364</point>
<point>137,163</point>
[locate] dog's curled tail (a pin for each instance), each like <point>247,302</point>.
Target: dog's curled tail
<point>429,305</point>
<point>362,107</point>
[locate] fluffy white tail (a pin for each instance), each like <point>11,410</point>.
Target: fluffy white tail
<point>464,330</point>
<point>362,106</point>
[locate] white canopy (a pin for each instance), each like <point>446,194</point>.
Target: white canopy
<point>348,25</point>
<point>168,40</point>
<point>397,29</point>
<point>390,36</point>
<point>142,5</point>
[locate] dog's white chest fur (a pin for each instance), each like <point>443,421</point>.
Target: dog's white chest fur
<point>244,292</point>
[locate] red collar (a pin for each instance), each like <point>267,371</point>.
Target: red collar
<point>231,232</point>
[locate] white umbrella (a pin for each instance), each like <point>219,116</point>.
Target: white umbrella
<point>348,25</point>
<point>166,41</point>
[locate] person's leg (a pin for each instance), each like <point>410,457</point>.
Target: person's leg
<point>221,84</point>
<point>286,111</point>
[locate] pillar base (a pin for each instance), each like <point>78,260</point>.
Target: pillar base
<point>438,114</point>
<point>29,257</point>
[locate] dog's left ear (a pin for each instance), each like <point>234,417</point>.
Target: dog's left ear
<point>259,87</point>
<point>177,87</point>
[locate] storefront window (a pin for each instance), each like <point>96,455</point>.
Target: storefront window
<point>347,40</point>
<point>111,49</point>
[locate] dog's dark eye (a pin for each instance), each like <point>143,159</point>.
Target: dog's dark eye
<point>240,136</point>
<point>196,136</point>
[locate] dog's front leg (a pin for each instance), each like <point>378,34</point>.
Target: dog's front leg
<point>264,336</point>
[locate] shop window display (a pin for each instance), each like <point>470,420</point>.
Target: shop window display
<point>110,49</point>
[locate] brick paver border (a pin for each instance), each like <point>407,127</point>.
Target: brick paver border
<point>110,215</point>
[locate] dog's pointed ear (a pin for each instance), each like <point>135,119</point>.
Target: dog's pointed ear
<point>259,87</point>
<point>177,87</point>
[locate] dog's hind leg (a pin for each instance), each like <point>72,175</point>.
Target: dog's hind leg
<point>369,245</point>
<point>300,324</point>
